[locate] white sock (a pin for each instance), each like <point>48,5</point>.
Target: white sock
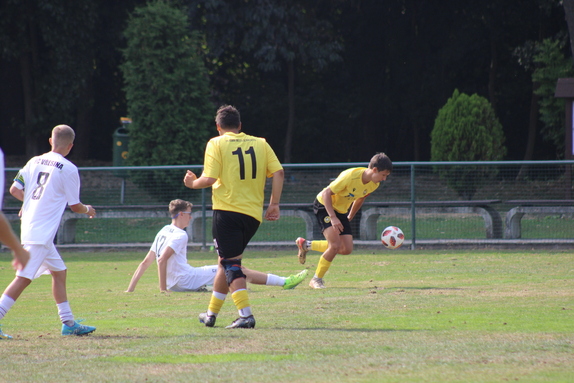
<point>220,296</point>
<point>275,280</point>
<point>65,313</point>
<point>5,304</point>
<point>245,312</point>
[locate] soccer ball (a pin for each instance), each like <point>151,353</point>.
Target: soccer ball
<point>392,237</point>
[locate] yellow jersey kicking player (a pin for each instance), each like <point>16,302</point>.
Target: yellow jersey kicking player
<point>335,206</point>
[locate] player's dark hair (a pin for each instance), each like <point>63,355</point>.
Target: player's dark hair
<point>382,162</point>
<point>178,205</point>
<point>228,117</point>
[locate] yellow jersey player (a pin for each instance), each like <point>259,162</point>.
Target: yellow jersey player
<point>335,206</point>
<point>236,166</point>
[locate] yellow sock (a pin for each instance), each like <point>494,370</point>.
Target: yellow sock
<point>322,267</point>
<point>241,299</point>
<point>215,304</point>
<point>319,246</point>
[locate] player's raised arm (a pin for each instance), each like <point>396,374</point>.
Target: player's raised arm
<point>191,181</point>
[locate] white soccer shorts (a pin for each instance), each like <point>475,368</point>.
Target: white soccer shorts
<point>43,259</point>
<point>200,277</point>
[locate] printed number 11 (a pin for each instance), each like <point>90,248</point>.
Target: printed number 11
<point>239,155</point>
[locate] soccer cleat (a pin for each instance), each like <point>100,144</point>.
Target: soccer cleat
<point>302,245</point>
<point>4,336</point>
<point>293,280</point>
<point>247,322</point>
<point>77,329</point>
<point>205,288</point>
<point>207,320</point>
<point>316,283</point>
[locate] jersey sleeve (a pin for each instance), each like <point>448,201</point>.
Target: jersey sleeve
<point>73,187</point>
<point>177,241</point>
<point>340,182</point>
<point>273,164</point>
<point>212,164</point>
<point>20,179</point>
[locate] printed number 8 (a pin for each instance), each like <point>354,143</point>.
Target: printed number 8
<point>41,181</point>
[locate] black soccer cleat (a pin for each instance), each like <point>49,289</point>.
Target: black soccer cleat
<point>247,322</point>
<point>207,320</point>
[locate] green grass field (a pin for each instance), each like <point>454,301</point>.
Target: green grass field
<point>386,316</point>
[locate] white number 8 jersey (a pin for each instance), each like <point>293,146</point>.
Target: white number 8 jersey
<point>49,182</point>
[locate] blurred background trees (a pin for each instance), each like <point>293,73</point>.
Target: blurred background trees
<point>322,80</point>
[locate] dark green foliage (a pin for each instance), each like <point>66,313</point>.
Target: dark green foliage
<point>400,63</point>
<point>278,36</point>
<point>466,129</point>
<point>167,92</point>
<point>52,41</point>
<point>551,64</point>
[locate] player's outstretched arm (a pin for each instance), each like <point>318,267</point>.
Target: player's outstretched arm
<point>83,209</point>
<point>148,260</point>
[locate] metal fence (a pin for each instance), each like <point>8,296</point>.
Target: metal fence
<point>441,201</point>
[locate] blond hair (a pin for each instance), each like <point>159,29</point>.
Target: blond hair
<point>62,135</point>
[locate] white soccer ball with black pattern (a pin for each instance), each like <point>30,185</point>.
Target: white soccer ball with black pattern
<point>392,237</point>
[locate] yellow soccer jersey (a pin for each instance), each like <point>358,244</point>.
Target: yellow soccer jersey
<point>240,163</point>
<point>348,187</point>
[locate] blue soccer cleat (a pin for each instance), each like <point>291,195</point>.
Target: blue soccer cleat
<point>77,329</point>
<point>4,336</point>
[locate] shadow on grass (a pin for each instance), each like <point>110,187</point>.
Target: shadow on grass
<point>383,288</point>
<point>104,336</point>
<point>425,288</point>
<point>367,330</point>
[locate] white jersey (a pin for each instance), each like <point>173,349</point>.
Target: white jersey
<point>1,178</point>
<point>177,265</point>
<point>50,182</point>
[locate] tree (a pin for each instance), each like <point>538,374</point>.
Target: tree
<point>569,15</point>
<point>53,50</point>
<point>167,92</point>
<point>466,129</point>
<point>551,64</point>
<point>279,35</point>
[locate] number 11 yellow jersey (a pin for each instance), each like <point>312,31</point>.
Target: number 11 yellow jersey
<point>241,164</point>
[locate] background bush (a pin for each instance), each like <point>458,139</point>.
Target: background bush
<point>466,129</point>
<point>167,94</point>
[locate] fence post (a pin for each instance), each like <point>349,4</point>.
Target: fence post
<point>413,214</point>
<point>203,218</point>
